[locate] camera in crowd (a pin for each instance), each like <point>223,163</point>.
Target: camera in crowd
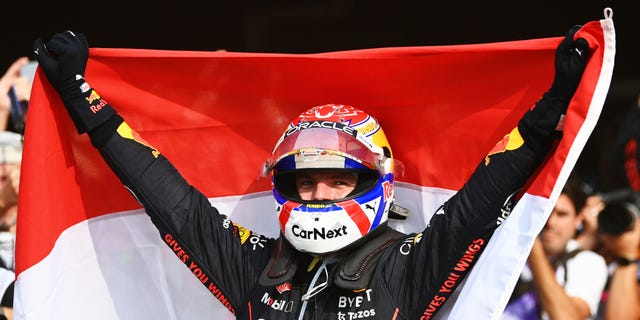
<point>620,213</point>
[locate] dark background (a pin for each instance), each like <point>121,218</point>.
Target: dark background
<point>298,26</point>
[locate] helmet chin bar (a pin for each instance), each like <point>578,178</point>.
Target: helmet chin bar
<point>346,248</point>
<point>330,234</point>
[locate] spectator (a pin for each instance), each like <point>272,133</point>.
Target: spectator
<point>588,233</point>
<point>561,280</point>
<point>10,158</point>
<point>14,85</point>
<point>15,90</point>
<point>619,242</point>
<point>7,281</point>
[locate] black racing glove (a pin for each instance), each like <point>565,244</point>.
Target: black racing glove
<point>571,59</point>
<point>547,116</point>
<point>64,60</point>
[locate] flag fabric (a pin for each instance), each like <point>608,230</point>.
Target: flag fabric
<point>86,249</point>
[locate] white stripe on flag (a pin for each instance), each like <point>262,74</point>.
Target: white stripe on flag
<point>113,267</point>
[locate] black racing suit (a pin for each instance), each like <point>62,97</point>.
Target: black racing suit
<point>413,277</point>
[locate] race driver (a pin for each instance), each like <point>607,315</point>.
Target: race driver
<point>333,173</point>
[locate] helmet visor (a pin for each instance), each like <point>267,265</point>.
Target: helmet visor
<point>323,148</point>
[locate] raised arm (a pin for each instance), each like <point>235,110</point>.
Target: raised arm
<point>138,165</point>
<point>459,231</point>
<point>506,168</point>
<point>200,236</point>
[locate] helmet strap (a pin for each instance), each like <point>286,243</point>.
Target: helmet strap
<point>282,266</point>
<point>355,272</point>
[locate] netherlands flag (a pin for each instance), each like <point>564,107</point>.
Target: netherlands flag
<point>87,250</point>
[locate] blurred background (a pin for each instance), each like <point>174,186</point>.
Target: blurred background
<point>298,26</point>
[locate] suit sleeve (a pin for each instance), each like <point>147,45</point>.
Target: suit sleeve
<point>459,231</point>
<point>225,257</point>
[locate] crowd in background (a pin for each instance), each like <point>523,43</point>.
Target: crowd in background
<point>583,265</point>
<point>15,91</point>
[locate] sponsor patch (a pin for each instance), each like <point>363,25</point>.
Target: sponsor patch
<point>332,112</point>
<point>93,97</point>
<point>284,287</point>
<point>388,190</point>
<point>317,234</point>
<point>257,241</point>
<point>511,141</point>
<point>322,124</point>
<point>84,87</point>
<point>316,205</point>
<point>126,132</point>
<point>242,232</point>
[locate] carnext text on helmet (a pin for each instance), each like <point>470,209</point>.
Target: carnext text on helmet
<point>323,124</point>
<point>315,233</point>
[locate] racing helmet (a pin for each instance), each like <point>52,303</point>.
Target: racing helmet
<point>332,137</point>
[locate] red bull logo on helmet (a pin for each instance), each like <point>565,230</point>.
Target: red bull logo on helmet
<point>388,190</point>
<point>334,113</point>
<point>338,113</point>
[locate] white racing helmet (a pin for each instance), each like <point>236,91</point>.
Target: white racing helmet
<point>335,137</point>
